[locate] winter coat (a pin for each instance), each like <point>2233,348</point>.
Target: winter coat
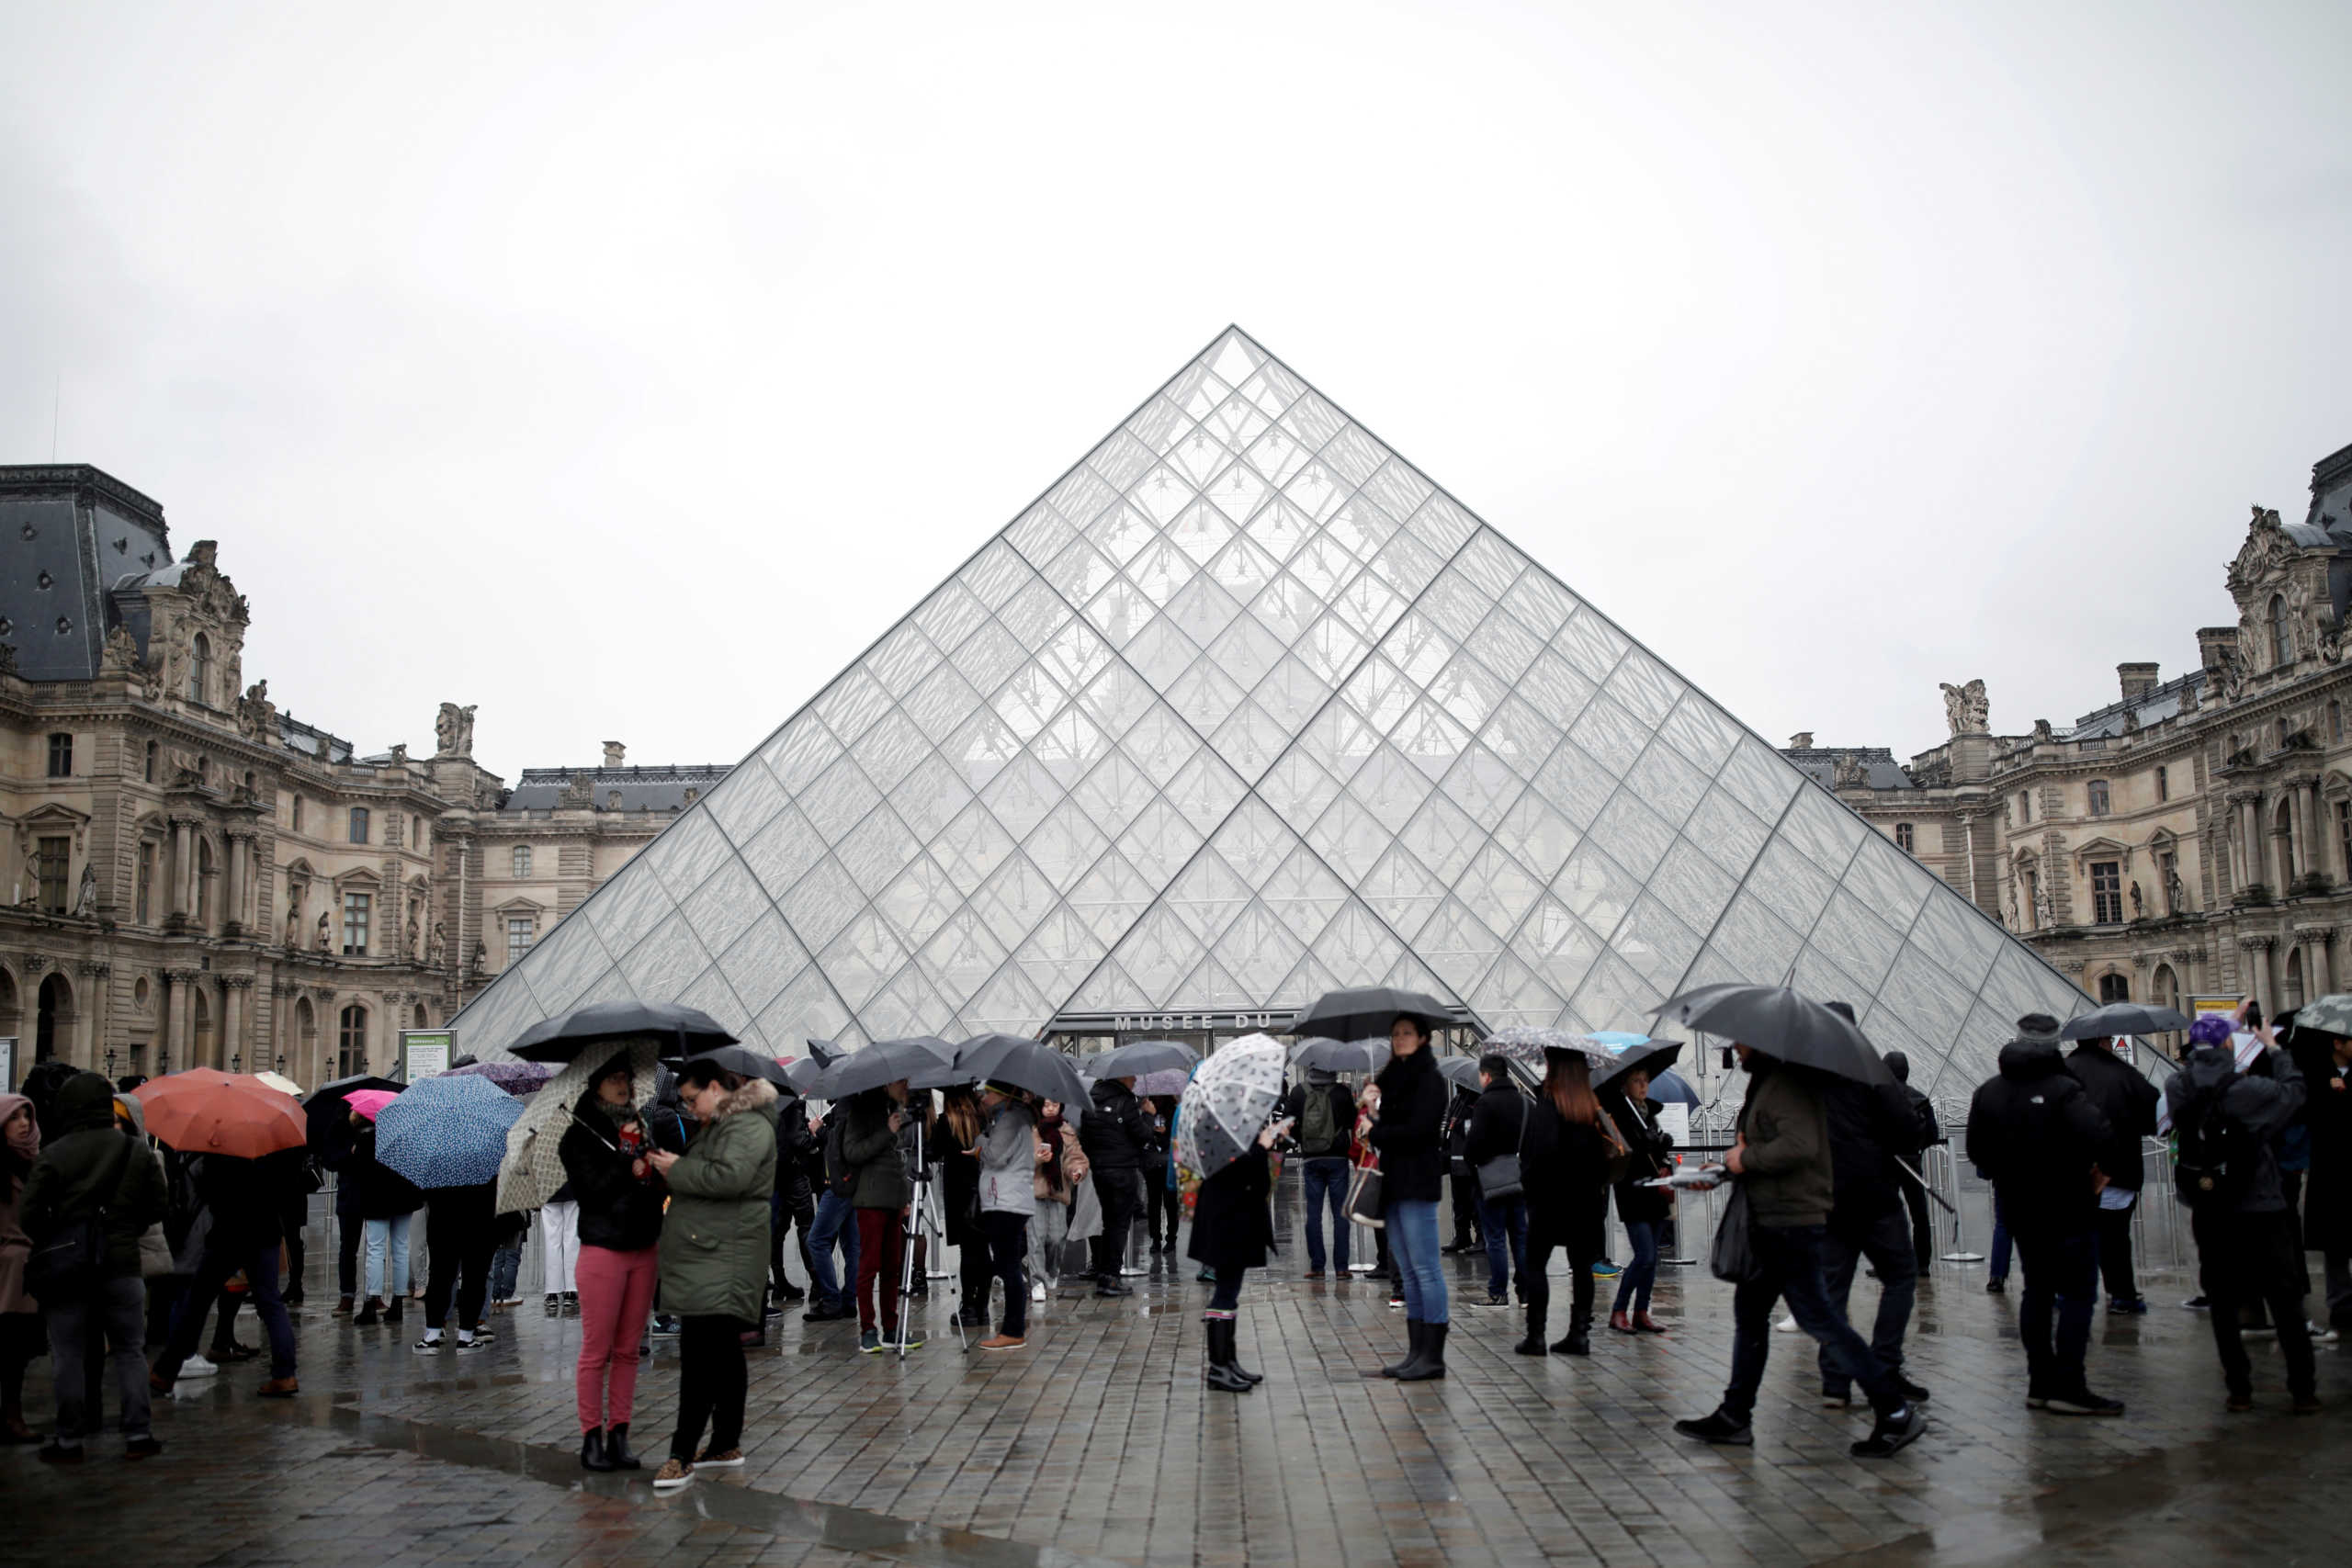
<point>1114,1132</point>
<point>1496,1125</point>
<point>714,1257</point>
<point>2128,1101</point>
<point>2261,1104</point>
<point>380,1192</point>
<point>2033,1130</point>
<point>1649,1147</point>
<point>870,1149</point>
<point>2327,1115</point>
<point>959,1183</point>
<point>1008,1161</point>
<point>1409,1131</point>
<point>14,1247</point>
<point>1059,1180</point>
<point>1565,1172</point>
<point>1458,1111</point>
<point>794,1145</point>
<point>1343,1117</point>
<point>1871,1126</point>
<point>618,1210</point>
<point>1232,1227</point>
<point>1786,1167</point>
<point>248,1197</point>
<point>89,1165</point>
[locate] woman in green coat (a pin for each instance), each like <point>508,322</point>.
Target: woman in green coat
<point>715,1257</point>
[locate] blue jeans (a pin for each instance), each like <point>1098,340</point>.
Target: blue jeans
<point>1633,1284</point>
<point>1325,1176</point>
<point>383,1237</point>
<point>1792,1259</point>
<point>2061,1273</point>
<point>836,1222</point>
<point>505,1271</point>
<point>1412,1245</point>
<point>1504,1225</point>
<point>2000,1268</point>
<point>220,1261</point>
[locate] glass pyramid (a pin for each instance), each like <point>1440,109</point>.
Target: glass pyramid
<point>1243,709</point>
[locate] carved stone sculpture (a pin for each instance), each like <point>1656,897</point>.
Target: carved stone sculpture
<point>2176,896</point>
<point>2139,904</point>
<point>437,946</point>
<point>410,936</point>
<point>256,715</point>
<point>85,898</point>
<point>2045,913</point>
<point>1966,708</point>
<point>294,920</point>
<point>322,931</point>
<point>453,731</point>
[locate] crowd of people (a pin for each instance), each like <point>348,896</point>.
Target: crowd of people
<point>673,1216</point>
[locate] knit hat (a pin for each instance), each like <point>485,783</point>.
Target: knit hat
<point>2211,1029</point>
<point>2038,1028</point>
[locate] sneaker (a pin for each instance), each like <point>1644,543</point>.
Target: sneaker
<point>1911,1391</point>
<point>720,1459</point>
<point>1004,1342</point>
<point>2130,1306</point>
<point>198,1367</point>
<point>673,1474</point>
<point>1495,1301</point>
<point>571,1304</point>
<point>870,1342</point>
<point>1718,1427</point>
<point>1832,1400</point>
<point>2083,1402</point>
<point>1109,1287</point>
<point>913,1341</point>
<point>1605,1270</point>
<point>1892,1434</point>
<point>794,1294</point>
<point>1038,1290</point>
<point>2197,1303</point>
<point>1395,1300</point>
<point>1787,1325</point>
<point>234,1352</point>
<point>1997,1286</point>
<point>774,1310</point>
<point>665,1327</point>
<point>554,1304</point>
<point>821,1312</point>
<point>478,1342</point>
<point>58,1453</point>
<point>2327,1336</point>
<point>431,1342</point>
<point>2035,1399</point>
<point>142,1447</point>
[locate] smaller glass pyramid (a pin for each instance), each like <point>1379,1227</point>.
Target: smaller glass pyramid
<point>1243,709</point>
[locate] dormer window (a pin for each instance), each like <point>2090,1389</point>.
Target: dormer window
<point>2099,797</point>
<point>199,669</point>
<point>2282,635</point>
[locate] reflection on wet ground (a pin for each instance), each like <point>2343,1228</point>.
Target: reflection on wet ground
<point>1099,1444</point>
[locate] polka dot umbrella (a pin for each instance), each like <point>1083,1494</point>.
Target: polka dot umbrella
<point>1226,1103</point>
<point>446,1131</point>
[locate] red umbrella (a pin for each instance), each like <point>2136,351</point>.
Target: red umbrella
<point>202,1111</point>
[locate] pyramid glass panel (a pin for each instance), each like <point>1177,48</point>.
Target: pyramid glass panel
<point>1243,707</point>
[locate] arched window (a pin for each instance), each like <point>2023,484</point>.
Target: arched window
<point>202,1043</point>
<point>2114,988</point>
<point>351,1041</point>
<point>421,1022</point>
<point>200,669</point>
<point>1903,837</point>
<point>2294,994</point>
<point>2282,634</point>
<point>152,750</point>
<point>51,1026</point>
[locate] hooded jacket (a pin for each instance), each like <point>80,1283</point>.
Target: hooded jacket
<point>872,1149</point>
<point>618,1210</point>
<point>1115,1131</point>
<point>714,1257</point>
<point>89,1165</point>
<point>2033,1130</point>
<point>2262,1106</point>
<point>1871,1126</point>
<point>16,1164</point>
<point>2128,1101</point>
<point>1008,1160</point>
<point>1409,1130</point>
<point>1786,1167</point>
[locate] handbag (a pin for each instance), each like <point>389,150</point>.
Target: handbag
<point>1362,1206</point>
<point>1499,1177</point>
<point>1734,1259</point>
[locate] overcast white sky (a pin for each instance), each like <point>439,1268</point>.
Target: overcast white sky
<point>625,369</point>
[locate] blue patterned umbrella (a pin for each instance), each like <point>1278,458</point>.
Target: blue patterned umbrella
<point>446,1131</point>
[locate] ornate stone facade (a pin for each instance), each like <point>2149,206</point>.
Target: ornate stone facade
<point>2192,838</point>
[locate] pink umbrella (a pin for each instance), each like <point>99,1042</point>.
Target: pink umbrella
<point>367,1102</point>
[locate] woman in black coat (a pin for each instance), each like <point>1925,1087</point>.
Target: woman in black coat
<point>953,1146</point>
<point>1411,1135</point>
<point>1565,1171</point>
<point>1644,1209</point>
<point>1232,1232</point>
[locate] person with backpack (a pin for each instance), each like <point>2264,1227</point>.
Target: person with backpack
<point>1927,1134</point>
<point>1060,1174</point>
<point>1324,1114</point>
<point>1461,1182</point>
<point>2129,1101</point>
<point>2033,1130</point>
<point>1871,1130</point>
<point>90,1195</point>
<point>247,1200</point>
<point>2326,1061</point>
<point>835,1224</point>
<point>795,1205</point>
<point>2226,1124</point>
<point>882,1195</point>
<point>1115,1134</point>
<point>1496,1128</point>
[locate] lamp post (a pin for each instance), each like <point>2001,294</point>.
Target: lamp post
<point>282,1064</point>
<point>236,1061</point>
<point>109,1061</point>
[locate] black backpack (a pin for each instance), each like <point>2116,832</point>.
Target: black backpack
<point>2215,1158</point>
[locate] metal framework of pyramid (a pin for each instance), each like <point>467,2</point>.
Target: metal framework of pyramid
<point>1243,709</point>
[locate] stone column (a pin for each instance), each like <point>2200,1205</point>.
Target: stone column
<point>2319,977</point>
<point>2306,858</point>
<point>174,1045</point>
<point>183,861</point>
<point>235,1009</point>
<point>95,975</point>
<point>2258,961</point>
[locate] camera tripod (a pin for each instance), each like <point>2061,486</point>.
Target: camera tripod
<point>925,1221</point>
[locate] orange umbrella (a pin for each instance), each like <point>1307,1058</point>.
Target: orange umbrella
<point>203,1111</point>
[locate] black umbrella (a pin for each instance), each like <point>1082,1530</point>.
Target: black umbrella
<point>683,1029</point>
<point>2121,1018</point>
<point>1342,1055</point>
<point>802,1076</point>
<point>1462,1072</point>
<point>324,1108</point>
<point>884,1062</point>
<point>746,1063</point>
<point>1141,1056</point>
<point>1653,1058</point>
<point>1026,1064</point>
<point>1783,1025</point>
<point>824,1053</point>
<point>1367,1010</point>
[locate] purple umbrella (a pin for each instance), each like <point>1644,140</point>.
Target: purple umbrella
<point>515,1077</point>
<point>1168,1080</point>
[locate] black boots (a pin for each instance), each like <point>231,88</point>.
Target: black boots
<point>1415,1332</point>
<point>1533,1344</point>
<point>592,1450</point>
<point>1221,1372</point>
<point>1579,1341</point>
<point>617,1454</point>
<point>1430,1363</point>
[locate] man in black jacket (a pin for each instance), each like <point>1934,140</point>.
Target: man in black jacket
<point>1114,1133</point>
<point>1498,1126</point>
<point>2326,1061</point>
<point>247,1200</point>
<point>795,1202</point>
<point>2039,1136</point>
<point>1927,1135</point>
<point>2129,1101</point>
<point>1871,1126</point>
<point>1323,1141</point>
<point>1461,1180</point>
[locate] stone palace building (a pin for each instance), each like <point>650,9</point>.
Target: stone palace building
<point>192,877</point>
<point>2193,836</point>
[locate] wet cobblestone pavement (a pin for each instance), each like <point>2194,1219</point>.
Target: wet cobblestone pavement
<point>1099,1444</point>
